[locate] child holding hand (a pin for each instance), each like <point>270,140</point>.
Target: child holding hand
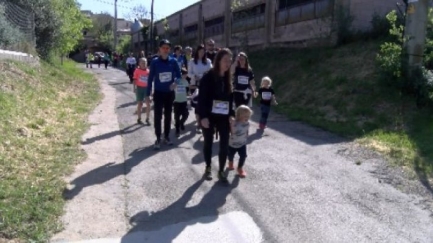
<point>238,139</point>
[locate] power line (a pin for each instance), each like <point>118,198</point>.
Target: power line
<point>111,3</point>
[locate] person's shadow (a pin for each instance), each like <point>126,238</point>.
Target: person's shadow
<point>178,216</point>
<point>107,172</point>
<point>126,130</point>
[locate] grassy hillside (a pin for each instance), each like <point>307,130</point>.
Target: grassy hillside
<point>340,90</point>
<point>43,113</point>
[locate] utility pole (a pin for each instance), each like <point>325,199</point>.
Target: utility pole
<point>415,31</point>
<point>152,38</point>
<point>115,25</point>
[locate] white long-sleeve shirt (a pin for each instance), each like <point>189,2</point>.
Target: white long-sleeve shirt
<point>131,60</point>
<point>197,70</point>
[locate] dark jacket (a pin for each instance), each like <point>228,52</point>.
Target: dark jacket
<point>212,88</point>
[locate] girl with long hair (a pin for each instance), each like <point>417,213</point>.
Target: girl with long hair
<point>215,110</point>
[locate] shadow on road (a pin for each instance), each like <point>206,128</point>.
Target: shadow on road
<point>297,130</point>
<point>109,171</point>
<point>206,211</point>
<point>126,130</point>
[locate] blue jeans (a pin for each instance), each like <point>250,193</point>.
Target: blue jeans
<point>265,113</point>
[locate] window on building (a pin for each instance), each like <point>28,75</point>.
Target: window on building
<point>293,11</point>
<point>251,18</point>
<point>214,27</point>
<point>190,32</point>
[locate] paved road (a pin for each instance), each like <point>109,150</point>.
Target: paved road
<point>302,186</point>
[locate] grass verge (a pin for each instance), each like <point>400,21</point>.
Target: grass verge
<point>340,90</point>
<point>43,112</point>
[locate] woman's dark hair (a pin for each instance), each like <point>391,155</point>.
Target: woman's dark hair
<point>203,60</point>
<point>247,63</point>
<point>217,67</point>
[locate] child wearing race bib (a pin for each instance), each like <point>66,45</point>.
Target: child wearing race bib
<point>180,103</point>
<point>267,96</point>
<point>238,138</point>
<point>141,75</point>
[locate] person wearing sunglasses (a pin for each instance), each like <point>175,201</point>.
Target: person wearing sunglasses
<point>163,76</point>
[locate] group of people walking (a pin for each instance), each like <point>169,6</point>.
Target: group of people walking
<point>220,92</point>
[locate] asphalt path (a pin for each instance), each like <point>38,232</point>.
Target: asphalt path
<point>303,185</point>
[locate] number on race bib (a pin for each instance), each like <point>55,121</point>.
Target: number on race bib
<point>220,107</point>
<point>243,80</point>
<point>143,79</point>
<point>266,95</point>
<point>181,89</point>
<point>165,77</point>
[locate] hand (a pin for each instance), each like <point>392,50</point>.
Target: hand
<point>205,123</point>
<point>173,86</point>
<point>231,120</point>
<point>255,94</point>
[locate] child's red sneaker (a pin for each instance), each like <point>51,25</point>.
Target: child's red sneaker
<point>231,165</point>
<point>241,173</point>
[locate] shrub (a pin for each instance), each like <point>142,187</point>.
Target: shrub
<point>10,35</point>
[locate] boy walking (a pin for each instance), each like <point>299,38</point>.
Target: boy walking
<point>180,103</point>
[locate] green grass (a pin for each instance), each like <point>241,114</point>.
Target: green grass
<point>43,112</point>
<point>340,90</point>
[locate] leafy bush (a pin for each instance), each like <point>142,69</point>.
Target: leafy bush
<point>393,63</point>
<point>10,35</point>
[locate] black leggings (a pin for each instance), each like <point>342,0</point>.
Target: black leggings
<point>181,114</point>
<point>223,128</point>
<point>240,99</point>
<point>162,101</point>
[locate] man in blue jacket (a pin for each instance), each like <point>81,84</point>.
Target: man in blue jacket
<point>163,76</point>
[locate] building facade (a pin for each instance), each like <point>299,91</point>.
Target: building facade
<point>265,22</point>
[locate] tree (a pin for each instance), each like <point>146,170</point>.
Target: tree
<point>73,22</point>
<point>102,30</point>
<point>58,25</point>
<point>138,12</point>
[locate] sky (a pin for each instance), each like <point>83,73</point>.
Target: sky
<point>162,8</point>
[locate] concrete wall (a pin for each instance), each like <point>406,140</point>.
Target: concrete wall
<point>363,11</point>
<point>18,56</point>
<point>309,27</point>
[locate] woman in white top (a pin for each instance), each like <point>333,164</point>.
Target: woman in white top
<point>131,64</point>
<point>198,66</point>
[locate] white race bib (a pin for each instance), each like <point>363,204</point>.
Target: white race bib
<point>181,89</point>
<point>142,79</point>
<point>220,107</point>
<point>266,95</point>
<point>165,77</point>
<point>243,80</point>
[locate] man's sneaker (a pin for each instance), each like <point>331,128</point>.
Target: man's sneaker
<point>182,127</point>
<point>167,141</point>
<point>208,173</point>
<point>177,134</point>
<point>139,121</point>
<point>147,121</point>
<point>241,173</point>
<point>157,145</point>
<point>231,165</point>
<point>222,177</point>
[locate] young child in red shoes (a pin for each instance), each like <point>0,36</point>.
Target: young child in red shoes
<point>238,139</point>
